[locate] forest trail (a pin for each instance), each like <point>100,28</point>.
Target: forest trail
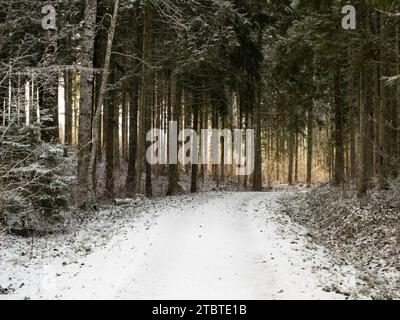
<point>226,248</point>
<point>207,246</point>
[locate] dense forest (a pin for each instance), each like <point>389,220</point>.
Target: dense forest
<point>199,149</point>
<point>82,82</point>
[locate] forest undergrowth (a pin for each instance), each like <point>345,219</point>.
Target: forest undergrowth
<point>363,232</point>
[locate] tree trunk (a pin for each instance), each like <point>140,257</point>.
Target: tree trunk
<point>124,128</point>
<point>384,138</point>
<point>339,148</point>
<point>194,154</point>
<point>257,177</point>
<point>352,128</point>
<point>116,103</point>
<point>133,138</point>
<point>98,63</point>
<point>397,93</point>
<point>91,196</point>
<point>133,107</point>
<point>68,93</point>
<point>48,104</point>
<point>362,177</point>
<point>110,129</point>
<point>215,125</point>
<point>86,96</point>
<point>296,159</point>
<point>176,102</point>
<point>146,99</point>
<point>291,156</point>
<point>310,125</point>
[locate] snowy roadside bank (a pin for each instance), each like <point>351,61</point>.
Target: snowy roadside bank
<point>361,232</point>
<point>215,245</point>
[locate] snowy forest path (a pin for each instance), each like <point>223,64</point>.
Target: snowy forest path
<point>226,248</point>
<point>212,245</point>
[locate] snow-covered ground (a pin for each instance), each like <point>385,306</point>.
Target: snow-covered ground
<point>214,245</point>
